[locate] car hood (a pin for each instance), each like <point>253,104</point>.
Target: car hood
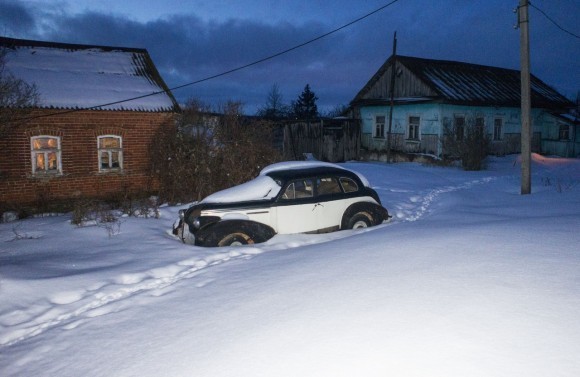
<point>260,188</point>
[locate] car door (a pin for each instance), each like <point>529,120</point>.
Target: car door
<point>330,204</point>
<point>295,209</point>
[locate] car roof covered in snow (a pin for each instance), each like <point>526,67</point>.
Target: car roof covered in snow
<point>295,169</point>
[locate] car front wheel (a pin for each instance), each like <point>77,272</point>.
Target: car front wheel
<point>359,220</point>
<point>236,239</point>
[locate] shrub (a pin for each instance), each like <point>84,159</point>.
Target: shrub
<point>206,152</point>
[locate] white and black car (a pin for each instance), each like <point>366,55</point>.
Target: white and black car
<point>286,198</point>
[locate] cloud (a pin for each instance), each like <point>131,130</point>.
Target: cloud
<point>15,18</point>
<point>187,48</point>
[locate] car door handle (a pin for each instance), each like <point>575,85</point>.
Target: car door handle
<point>316,205</point>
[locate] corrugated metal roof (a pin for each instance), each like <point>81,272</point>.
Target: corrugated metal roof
<point>71,76</point>
<point>472,84</point>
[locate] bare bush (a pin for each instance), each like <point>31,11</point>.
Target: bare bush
<point>206,152</point>
<point>468,143</point>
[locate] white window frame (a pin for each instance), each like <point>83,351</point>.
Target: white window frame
<point>497,135</point>
<point>381,134</point>
<point>109,152</point>
<point>45,152</point>
<point>564,129</point>
<point>414,134</point>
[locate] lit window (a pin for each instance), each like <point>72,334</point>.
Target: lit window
<point>564,132</point>
<point>497,128</point>
<point>414,123</point>
<point>110,153</point>
<point>379,126</point>
<point>45,152</point>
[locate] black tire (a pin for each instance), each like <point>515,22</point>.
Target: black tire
<point>360,220</point>
<point>235,239</point>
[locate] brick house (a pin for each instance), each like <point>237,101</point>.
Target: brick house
<point>85,138</point>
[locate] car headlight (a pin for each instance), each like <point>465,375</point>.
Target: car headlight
<point>181,214</point>
<point>196,223</point>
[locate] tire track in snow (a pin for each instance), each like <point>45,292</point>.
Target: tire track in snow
<point>418,205</point>
<point>85,304</point>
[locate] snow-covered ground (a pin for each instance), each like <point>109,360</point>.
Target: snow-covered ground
<point>468,279</point>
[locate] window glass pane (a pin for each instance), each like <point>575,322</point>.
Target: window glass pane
<point>290,192</point>
<point>328,186</point>
<point>104,160</point>
<point>115,159</point>
<point>304,188</point>
<point>348,185</point>
<point>52,164</point>
<point>110,142</point>
<point>39,162</point>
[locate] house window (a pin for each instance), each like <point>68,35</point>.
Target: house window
<point>497,128</point>
<point>459,127</point>
<point>45,151</point>
<point>379,126</point>
<point>110,153</point>
<point>564,132</point>
<point>479,126</point>
<point>414,123</point>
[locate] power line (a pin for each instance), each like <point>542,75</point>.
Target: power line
<point>225,72</point>
<point>552,20</point>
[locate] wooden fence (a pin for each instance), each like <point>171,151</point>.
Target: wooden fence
<point>332,140</point>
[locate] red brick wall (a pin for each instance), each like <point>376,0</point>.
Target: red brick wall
<point>78,132</point>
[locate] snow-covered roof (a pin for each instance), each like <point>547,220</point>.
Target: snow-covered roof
<point>70,76</point>
<point>463,83</point>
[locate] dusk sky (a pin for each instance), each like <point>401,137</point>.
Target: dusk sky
<point>194,40</point>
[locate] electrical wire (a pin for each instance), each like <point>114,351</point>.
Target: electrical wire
<point>222,73</point>
<point>552,20</point>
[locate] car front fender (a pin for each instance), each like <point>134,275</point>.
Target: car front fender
<point>213,233</point>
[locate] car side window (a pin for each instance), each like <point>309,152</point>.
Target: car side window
<point>302,188</point>
<point>327,185</point>
<point>348,185</point>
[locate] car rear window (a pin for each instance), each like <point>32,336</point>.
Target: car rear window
<point>348,185</point>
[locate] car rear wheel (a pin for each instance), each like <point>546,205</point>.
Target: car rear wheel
<point>360,220</point>
<point>236,239</point>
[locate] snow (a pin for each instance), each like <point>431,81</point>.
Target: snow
<point>470,278</point>
<point>84,78</point>
<point>289,165</point>
<point>260,188</point>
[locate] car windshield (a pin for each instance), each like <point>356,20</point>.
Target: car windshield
<point>261,188</point>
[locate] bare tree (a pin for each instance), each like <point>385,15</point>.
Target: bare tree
<point>209,151</point>
<point>274,107</point>
<point>17,98</point>
<point>467,141</point>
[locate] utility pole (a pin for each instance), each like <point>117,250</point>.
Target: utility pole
<point>392,95</point>
<point>526,136</point>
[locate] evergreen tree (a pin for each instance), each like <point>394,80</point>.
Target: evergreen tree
<point>305,106</point>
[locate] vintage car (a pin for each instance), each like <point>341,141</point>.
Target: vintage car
<point>286,198</point>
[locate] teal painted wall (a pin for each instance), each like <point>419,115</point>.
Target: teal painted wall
<point>433,117</point>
